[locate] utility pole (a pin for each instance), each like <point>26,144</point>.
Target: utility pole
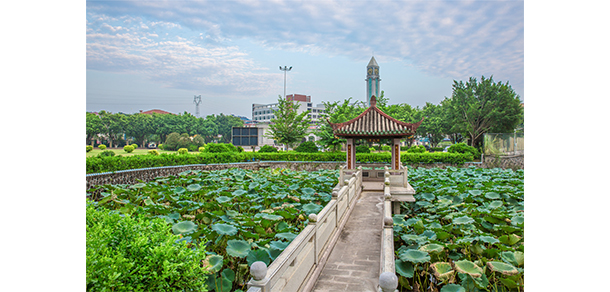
<point>285,69</point>
<point>197,101</point>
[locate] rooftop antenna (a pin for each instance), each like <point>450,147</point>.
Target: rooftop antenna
<point>197,101</point>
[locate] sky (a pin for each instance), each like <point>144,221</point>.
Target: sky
<point>143,55</point>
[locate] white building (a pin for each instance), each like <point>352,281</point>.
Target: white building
<point>264,113</point>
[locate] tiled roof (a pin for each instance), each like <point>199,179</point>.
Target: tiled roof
<point>374,123</point>
<point>156,111</point>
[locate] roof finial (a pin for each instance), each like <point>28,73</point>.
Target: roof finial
<point>373,101</point>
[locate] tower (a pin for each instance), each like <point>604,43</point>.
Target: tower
<point>197,101</point>
<point>372,80</point>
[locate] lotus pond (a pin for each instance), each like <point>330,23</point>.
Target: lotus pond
<point>463,233</point>
<point>238,216</point>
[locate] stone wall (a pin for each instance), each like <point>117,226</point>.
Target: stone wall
<point>507,161</point>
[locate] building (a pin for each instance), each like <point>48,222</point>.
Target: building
<point>155,111</point>
<point>264,113</point>
<point>372,80</point>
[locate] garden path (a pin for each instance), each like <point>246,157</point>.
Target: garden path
<point>354,263</point>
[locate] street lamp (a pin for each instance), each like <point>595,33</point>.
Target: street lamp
<point>285,69</point>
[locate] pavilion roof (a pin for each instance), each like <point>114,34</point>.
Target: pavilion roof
<point>375,124</point>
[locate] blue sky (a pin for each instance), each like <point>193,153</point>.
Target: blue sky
<point>142,55</point>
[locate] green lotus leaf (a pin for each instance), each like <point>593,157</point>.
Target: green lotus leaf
<point>253,185</point>
<point>238,248</point>
<point>271,217</point>
<point>139,185</point>
<point>442,271</point>
<point>193,188</point>
<point>495,204</point>
<point>312,208</point>
<point>463,220</point>
<point>517,220</point>
<point>258,255</point>
<point>475,193</point>
<point>179,190</point>
<point>308,191</point>
<point>442,235</point>
<point>238,193</point>
<point>184,227</point>
<point>149,202</point>
<point>492,195</point>
<point>398,219</point>
<point>279,245</point>
<point>413,238</point>
<point>403,268</point>
<point>435,225</point>
<point>427,196</point>
<point>509,239</point>
<point>432,248</point>
<point>453,288</point>
<point>286,235</point>
<point>488,239</point>
<point>503,268</point>
<point>414,256</point>
<point>294,187</point>
<point>224,229</point>
<point>468,267</point>
<point>519,258</point>
<point>232,213</point>
<point>429,234</point>
<point>215,262</point>
<point>509,283</point>
<point>228,274</point>
<point>223,199</point>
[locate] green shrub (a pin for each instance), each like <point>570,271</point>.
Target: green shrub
<point>89,148</point>
<point>202,149</point>
<point>192,147</point>
<point>135,146</point>
<point>267,149</point>
<point>171,142</point>
<point>160,146</point>
<point>134,253</point>
<point>153,152</point>
<point>128,148</point>
<point>464,148</point>
<point>417,149</point>
<point>183,151</point>
<point>240,149</point>
<point>106,153</point>
<point>362,148</point>
<point>102,147</point>
<point>386,148</point>
<point>219,148</point>
<point>307,147</point>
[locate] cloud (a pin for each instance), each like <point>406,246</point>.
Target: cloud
<point>455,39</point>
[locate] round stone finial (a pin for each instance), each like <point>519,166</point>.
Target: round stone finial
<point>334,194</point>
<point>388,282</point>
<point>313,217</point>
<point>354,174</point>
<point>387,196</point>
<point>258,270</point>
<point>346,182</point>
<point>388,221</point>
<point>386,174</point>
<point>387,182</point>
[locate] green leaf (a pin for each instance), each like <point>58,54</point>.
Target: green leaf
<point>271,217</point>
<point>238,193</point>
<point>488,239</point>
<point>193,188</point>
<point>215,262</point>
<point>404,268</point>
<point>503,268</point>
<point>517,220</point>
<point>492,195</point>
<point>463,220</point>
<point>184,227</point>
<point>312,208</point>
<point>427,196</point>
<point>228,274</point>
<point>468,267</point>
<point>442,271</point>
<point>475,193</point>
<point>224,229</point>
<point>279,245</point>
<point>238,248</point>
<point>179,190</point>
<point>258,255</point>
<point>432,248</point>
<point>509,239</point>
<point>453,288</point>
<point>495,204</point>
<point>414,256</point>
<point>308,191</point>
<point>223,199</point>
<point>286,235</point>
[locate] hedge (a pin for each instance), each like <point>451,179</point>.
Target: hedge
<point>116,163</point>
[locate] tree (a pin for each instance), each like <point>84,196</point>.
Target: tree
<point>225,125</point>
<point>288,127</point>
<point>479,107</point>
<point>113,125</point>
<point>337,112</point>
<point>139,126</point>
<point>94,127</point>
<point>433,127</point>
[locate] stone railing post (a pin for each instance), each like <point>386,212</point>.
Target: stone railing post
<point>259,280</point>
<point>388,282</point>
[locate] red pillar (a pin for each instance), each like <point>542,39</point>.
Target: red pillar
<point>396,153</point>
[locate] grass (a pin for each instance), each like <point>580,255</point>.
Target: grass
<point>120,151</point>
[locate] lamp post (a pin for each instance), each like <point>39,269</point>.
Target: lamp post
<point>285,69</point>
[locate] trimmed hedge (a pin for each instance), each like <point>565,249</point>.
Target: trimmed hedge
<point>109,164</point>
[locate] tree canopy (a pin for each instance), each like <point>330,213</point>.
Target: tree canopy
<point>288,127</point>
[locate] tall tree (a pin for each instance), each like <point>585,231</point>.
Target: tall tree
<point>288,127</point>
<point>225,125</point>
<point>432,127</point>
<point>480,107</point>
<point>94,127</point>
<point>336,112</point>
<point>113,126</point>
<point>139,126</point>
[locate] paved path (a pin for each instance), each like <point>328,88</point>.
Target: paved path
<point>354,263</point>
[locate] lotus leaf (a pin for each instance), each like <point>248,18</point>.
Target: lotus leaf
<point>279,245</point>
<point>258,255</point>
<point>271,217</point>
<point>286,235</point>
<point>184,227</point>
<point>215,262</point>
<point>453,288</point>
<point>509,239</point>
<point>232,213</point>
<point>294,187</point>
<point>414,256</point>
<point>308,191</point>
<point>414,238</point>
<point>432,248</point>
<point>193,188</point>
<point>238,193</point>
<point>139,185</point>
<point>238,248</point>
<point>179,190</point>
<point>495,204</point>
<point>404,268</point>
<point>463,220</point>
<point>224,229</point>
<point>253,185</point>
<point>503,268</point>
<point>312,208</point>
<point>468,267</point>
<point>519,257</point>
<point>492,195</point>
<point>148,202</point>
<point>517,220</point>
<point>475,193</point>
<point>223,199</point>
<point>442,235</point>
<point>429,234</point>
<point>427,196</point>
<point>442,271</point>
<point>488,239</point>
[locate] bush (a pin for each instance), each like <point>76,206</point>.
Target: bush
<point>202,149</point>
<point>106,153</point>
<point>89,148</point>
<point>192,147</point>
<point>102,147</point>
<point>160,146</point>
<point>135,146</point>
<point>362,148</point>
<point>128,148</point>
<point>153,152</point>
<point>135,253</point>
<point>219,148</point>
<point>183,151</point>
<point>240,149</point>
<point>307,147</point>
<point>386,148</point>
<point>267,149</point>
<point>417,149</point>
<point>171,142</point>
<point>464,148</point>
